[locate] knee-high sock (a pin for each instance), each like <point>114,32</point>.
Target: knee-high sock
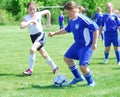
<point>75,71</point>
<point>31,61</point>
<point>117,55</point>
<point>89,78</point>
<point>106,54</point>
<point>51,63</point>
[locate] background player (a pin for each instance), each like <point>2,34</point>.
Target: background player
<point>33,22</point>
<point>61,20</point>
<point>85,34</point>
<point>98,18</point>
<point>111,23</point>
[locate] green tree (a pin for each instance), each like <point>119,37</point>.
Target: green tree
<point>91,6</point>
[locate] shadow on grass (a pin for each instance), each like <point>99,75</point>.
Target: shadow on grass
<point>51,87</point>
<point>9,74</point>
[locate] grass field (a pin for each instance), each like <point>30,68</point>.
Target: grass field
<point>14,52</point>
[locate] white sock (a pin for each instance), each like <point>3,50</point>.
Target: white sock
<point>31,61</point>
<point>50,62</point>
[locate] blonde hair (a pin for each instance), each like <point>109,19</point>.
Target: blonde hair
<point>70,5</point>
<point>81,9</point>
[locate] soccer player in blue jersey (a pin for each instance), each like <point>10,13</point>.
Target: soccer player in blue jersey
<point>61,20</point>
<point>33,22</point>
<point>98,18</point>
<point>111,22</point>
<point>85,33</point>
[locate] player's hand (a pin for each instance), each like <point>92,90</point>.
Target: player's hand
<point>94,46</point>
<point>50,34</point>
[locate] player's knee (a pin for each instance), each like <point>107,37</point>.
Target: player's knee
<point>45,55</point>
<point>84,69</point>
<point>67,60</point>
<point>32,50</point>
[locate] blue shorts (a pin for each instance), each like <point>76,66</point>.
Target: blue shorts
<point>39,37</point>
<point>83,54</point>
<point>111,39</point>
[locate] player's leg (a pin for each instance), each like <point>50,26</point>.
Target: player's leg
<point>116,48</point>
<point>68,58</point>
<point>49,61</point>
<point>107,44</point>
<point>106,55</point>
<point>32,58</point>
<point>117,52</point>
<point>85,55</point>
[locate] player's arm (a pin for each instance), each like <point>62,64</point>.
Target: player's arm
<point>119,28</point>
<point>48,14</point>
<point>62,31</point>
<point>24,23</point>
<point>95,38</point>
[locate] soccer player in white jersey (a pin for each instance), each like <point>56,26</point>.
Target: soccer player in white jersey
<point>111,22</point>
<point>33,22</point>
<point>85,33</point>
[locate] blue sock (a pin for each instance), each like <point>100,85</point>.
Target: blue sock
<point>89,78</point>
<point>106,55</point>
<point>75,71</point>
<point>117,55</point>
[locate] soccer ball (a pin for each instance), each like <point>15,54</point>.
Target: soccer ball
<point>60,80</point>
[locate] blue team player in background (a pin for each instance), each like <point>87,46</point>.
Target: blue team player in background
<point>111,22</point>
<point>85,33</point>
<point>98,18</point>
<point>61,20</point>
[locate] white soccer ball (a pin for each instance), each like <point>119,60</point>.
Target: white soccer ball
<point>60,80</point>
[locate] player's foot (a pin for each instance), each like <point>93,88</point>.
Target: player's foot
<point>118,63</point>
<point>92,84</point>
<point>55,70</point>
<point>105,61</point>
<point>76,80</point>
<point>28,72</point>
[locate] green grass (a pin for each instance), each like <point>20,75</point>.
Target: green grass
<point>14,52</point>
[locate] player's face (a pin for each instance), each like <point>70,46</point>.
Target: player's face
<point>71,13</point>
<point>31,10</point>
<point>109,8</point>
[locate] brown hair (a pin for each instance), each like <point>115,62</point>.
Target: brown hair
<point>31,4</point>
<point>70,5</point>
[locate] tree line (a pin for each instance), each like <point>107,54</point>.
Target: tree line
<point>14,10</point>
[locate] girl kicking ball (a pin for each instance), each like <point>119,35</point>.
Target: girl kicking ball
<point>33,22</point>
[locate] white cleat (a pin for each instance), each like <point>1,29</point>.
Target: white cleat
<point>118,63</point>
<point>105,61</point>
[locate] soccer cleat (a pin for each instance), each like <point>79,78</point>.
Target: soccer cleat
<point>118,63</point>
<point>105,61</point>
<point>55,70</point>
<point>92,84</point>
<point>76,80</point>
<point>28,72</point>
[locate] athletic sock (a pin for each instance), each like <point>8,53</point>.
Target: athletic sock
<point>117,55</point>
<point>89,78</point>
<point>75,71</point>
<point>106,55</point>
<point>31,61</point>
<point>51,63</point>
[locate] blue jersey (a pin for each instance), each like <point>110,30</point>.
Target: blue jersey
<point>82,28</point>
<point>98,18</point>
<point>111,22</point>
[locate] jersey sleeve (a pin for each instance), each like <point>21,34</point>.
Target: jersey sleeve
<point>67,28</point>
<point>92,26</point>
<point>117,21</point>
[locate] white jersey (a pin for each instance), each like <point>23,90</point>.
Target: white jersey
<point>34,28</point>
